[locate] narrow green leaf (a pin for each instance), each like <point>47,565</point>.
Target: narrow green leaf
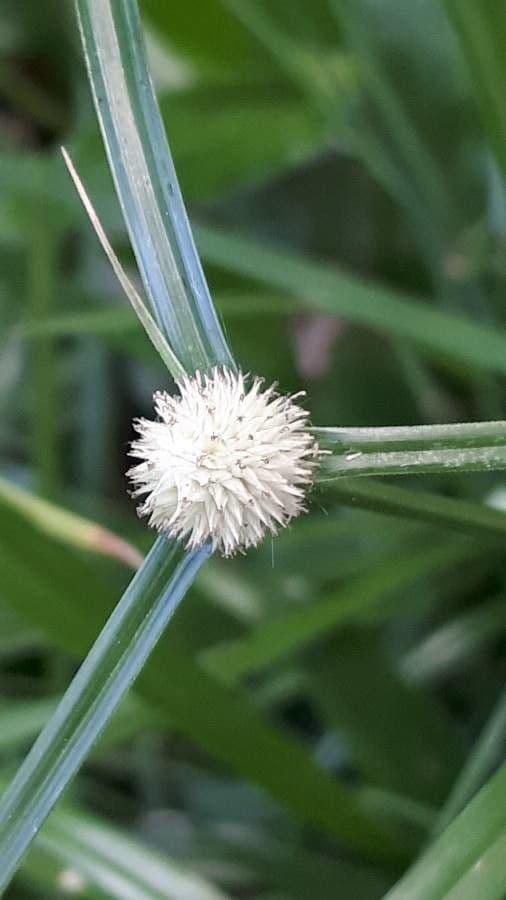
<point>68,527</point>
<point>486,879</point>
<point>104,858</point>
<point>302,874</point>
<point>461,850</point>
<point>229,727</point>
<point>146,182</point>
<point>419,462</point>
<point>279,637</point>
<point>457,515</point>
<point>325,287</point>
<point>69,603</point>
<point>114,662</point>
<point>484,755</point>
<point>147,186</point>
<point>120,320</point>
<point>451,645</point>
<point>308,68</point>
<point>213,40</point>
<point>405,150</point>
<point>481,29</point>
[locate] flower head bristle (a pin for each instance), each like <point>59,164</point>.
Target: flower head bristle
<point>225,462</point>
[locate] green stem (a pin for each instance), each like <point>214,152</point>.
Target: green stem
<point>472,446</point>
<point>415,437</point>
<point>110,668</point>
<point>485,753</point>
<point>146,183</point>
<point>154,212</point>
<point>457,850</point>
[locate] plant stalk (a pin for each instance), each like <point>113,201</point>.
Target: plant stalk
<point>104,678</point>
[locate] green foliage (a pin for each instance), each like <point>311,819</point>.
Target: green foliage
<point>325,716</point>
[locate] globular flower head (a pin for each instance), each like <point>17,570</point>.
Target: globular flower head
<point>226,461</point>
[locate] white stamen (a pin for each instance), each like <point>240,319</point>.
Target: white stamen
<point>225,463</point>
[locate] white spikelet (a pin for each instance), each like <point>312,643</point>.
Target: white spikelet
<point>225,462</point>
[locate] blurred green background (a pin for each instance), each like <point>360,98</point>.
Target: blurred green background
<point>356,649</point>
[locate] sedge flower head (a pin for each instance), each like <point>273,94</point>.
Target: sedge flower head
<point>225,462</point>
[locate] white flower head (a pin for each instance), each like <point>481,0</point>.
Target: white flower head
<point>225,462</point>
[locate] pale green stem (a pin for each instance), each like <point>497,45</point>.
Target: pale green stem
<point>471,446</point>
<point>110,668</point>
<point>146,183</point>
<point>488,748</point>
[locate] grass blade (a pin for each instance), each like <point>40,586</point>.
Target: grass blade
<point>102,681</point>
<point>450,646</point>
<point>156,219</point>
<point>482,758</point>
<point>108,860</point>
<point>68,527</point>
<point>182,695</point>
<point>460,848</point>
<point>481,29</point>
<point>277,638</point>
<point>118,320</point>
<point>458,515</point>
<point>486,878</point>
<point>327,288</point>
<point>410,158</point>
<point>146,182</point>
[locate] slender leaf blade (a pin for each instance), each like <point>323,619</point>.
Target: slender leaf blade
<point>184,696</point>
<point>460,849</point>
<point>114,662</point>
<point>146,182</point>
<point>446,512</point>
<point>322,286</point>
<point>481,29</point>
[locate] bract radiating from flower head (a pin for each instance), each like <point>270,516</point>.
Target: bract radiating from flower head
<point>225,462</point>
